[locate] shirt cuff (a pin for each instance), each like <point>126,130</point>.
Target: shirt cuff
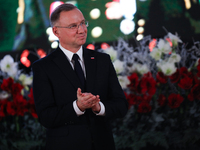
<point>102,110</point>
<point>77,110</point>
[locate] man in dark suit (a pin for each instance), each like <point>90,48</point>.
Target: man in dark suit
<point>76,110</point>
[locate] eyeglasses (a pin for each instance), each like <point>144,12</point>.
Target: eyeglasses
<point>84,24</point>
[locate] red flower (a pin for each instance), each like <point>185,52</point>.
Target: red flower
<point>186,82</point>
<point>144,107</point>
<point>161,78</point>
<point>33,112</point>
<point>175,77</point>
<point>174,100</point>
<point>7,84</point>
<point>195,92</point>
<point>148,84</point>
<point>133,99</point>
<point>2,105</point>
<point>146,98</point>
<point>16,88</point>
<point>162,100</point>
<point>134,81</point>
<point>11,108</point>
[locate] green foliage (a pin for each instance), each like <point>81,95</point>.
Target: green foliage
<point>29,136</point>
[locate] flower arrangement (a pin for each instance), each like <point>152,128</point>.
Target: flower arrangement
<point>161,81</point>
<point>18,119</point>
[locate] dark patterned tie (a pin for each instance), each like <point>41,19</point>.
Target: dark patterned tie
<point>78,69</point>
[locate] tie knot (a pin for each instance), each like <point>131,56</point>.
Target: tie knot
<point>75,57</point>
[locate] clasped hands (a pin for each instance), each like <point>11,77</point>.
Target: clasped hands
<point>88,100</point>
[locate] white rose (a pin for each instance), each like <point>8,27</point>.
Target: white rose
<point>164,46</point>
<point>167,68</point>
<point>174,58</point>
<point>156,54</point>
<point>124,81</point>
<point>8,65</point>
<point>112,52</point>
<point>25,80</point>
<point>142,68</point>
<point>118,65</point>
<point>174,38</point>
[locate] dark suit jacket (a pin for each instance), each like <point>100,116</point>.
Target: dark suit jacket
<point>55,88</point>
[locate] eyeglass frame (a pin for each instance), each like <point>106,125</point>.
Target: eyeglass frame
<point>83,24</point>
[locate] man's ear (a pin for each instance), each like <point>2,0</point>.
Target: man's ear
<point>55,31</point>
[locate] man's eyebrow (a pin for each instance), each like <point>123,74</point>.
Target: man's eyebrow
<point>76,23</point>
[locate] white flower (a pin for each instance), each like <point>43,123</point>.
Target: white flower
<point>174,38</point>
<point>118,65</point>
<point>26,80</point>
<point>164,46</point>
<point>167,68</point>
<point>156,54</point>
<point>8,65</point>
<point>174,58</point>
<point>141,68</point>
<point>111,52</point>
<point>124,81</point>
<point>131,69</point>
<point>4,95</point>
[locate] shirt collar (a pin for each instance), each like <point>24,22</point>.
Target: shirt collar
<point>70,54</point>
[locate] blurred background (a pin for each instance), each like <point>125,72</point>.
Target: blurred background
<point>26,35</point>
<point>24,24</point>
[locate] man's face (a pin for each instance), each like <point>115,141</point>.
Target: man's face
<point>69,38</point>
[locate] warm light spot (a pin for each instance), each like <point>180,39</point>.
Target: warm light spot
<point>95,13</point>
<point>141,22</point>
<point>54,45</point>
<point>104,46</point>
<point>96,32</point>
<point>25,61</point>
<point>54,5</point>
<point>127,26</point>
<point>25,53</point>
<point>187,4</point>
<point>140,30</point>
<point>20,10</point>
<point>91,46</point>
<point>41,53</point>
<point>139,37</point>
<point>152,44</point>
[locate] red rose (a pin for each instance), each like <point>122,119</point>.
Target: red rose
<point>146,98</point>
<point>195,92</point>
<point>144,107</point>
<point>175,77</point>
<point>133,99</point>
<point>2,114</point>
<point>148,84</point>
<point>162,100</point>
<point>186,82</point>
<point>11,108</point>
<point>7,84</point>
<point>161,78</point>
<point>174,100</point>
<point>16,88</point>
<point>134,81</point>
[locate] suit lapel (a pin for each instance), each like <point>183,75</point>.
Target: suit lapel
<point>64,65</point>
<point>90,67</point>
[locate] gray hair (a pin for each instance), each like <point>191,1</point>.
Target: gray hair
<point>55,15</point>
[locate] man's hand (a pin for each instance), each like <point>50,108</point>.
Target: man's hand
<point>87,100</point>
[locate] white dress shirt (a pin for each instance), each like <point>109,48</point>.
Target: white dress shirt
<point>69,56</point>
